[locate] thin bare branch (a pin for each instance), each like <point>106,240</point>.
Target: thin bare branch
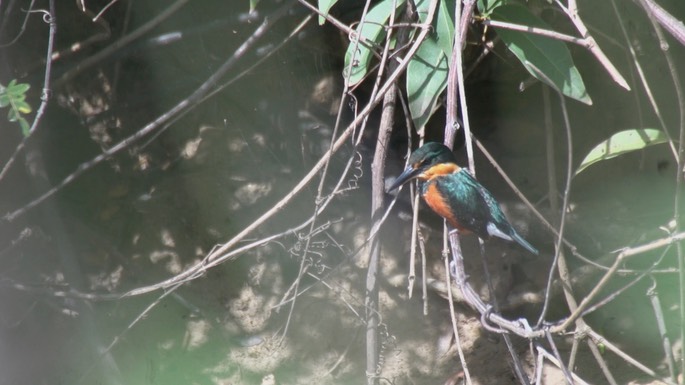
<point>538,31</point>
<point>163,119</point>
<point>45,95</point>
<point>124,41</point>
<point>544,353</point>
<point>572,13</point>
<point>625,254</point>
<point>674,26</point>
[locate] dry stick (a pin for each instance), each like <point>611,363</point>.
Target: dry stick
<point>488,46</point>
<point>416,236</point>
<point>517,364</point>
<point>124,41</point>
<point>538,31</point>
<point>196,272</point>
<point>598,339</point>
<point>336,145</point>
<point>234,79</point>
<point>464,21</point>
<point>544,353</point>
<point>551,162</point>
<point>652,11</point>
<point>601,362</point>
<point>625,254</point>
<point>655,12</point>
<point>104,9</point>
<point>22,29</point>
<point>318,208</point>
<point>196,96</point>
<point>559,259</point>
<point>452,121</point>
<point>44,97</point>
<point>54,225</point>
<point>518,327</point>
<point>336,189</point>
<point>577,337</point>
<point>235,252</point>
<point>319,203</point>
<point>564,369</point>
<point>516,360</point>
<point>455,85</point>
<point>412,247</point>
<point>378,186</point>
<point>459,69</point>
<point>372,297</point>
<point>453,315</point>
<point>424,269</point>
<point>452,125</point>
<point>539,364</point>
<point>349,31</point>
<point>572,13</point>
<point>45,94</point>
<point>674,26</point>
<point>526,201</point>
<point>678,154</point>
<point>653,296</point>
<point>644,82</point>
<point>601,303</point>
<point>372,233</point>
<point>673,71</point>
<point>143,315</point>
<point>337,23</point>
<point>319,194</point>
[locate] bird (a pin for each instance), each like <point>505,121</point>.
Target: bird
<point>454,194</point>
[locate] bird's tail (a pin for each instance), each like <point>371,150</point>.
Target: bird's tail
<point>519,239</point>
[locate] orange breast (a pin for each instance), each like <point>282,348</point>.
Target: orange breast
<point>440,205</point>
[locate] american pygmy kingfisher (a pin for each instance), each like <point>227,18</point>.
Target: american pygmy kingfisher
<point>454,194</point>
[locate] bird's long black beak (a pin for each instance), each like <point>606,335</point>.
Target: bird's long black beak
<point>408,174</point>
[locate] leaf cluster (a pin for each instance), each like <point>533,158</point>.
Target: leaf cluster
<point>543,54</point>
<point>14,97</point>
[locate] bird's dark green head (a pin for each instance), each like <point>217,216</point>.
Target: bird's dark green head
<point>424,159</point>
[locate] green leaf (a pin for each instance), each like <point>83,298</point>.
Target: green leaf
<point>22,106</point>
<point>253,5</point>
<point>12,115</point>
<point>426,79</point>
<point>4,100</point>
<point>358,56</point>
<point>621,143</point>
<point>25,127</point>
<point>324,7</point>
<point>540,54</point>
<point>444,20</point>
<point>18,89</point>
<point>428,69</point>
<point>487,6</point>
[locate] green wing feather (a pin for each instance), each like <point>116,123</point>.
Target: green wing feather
<point>476,209</point>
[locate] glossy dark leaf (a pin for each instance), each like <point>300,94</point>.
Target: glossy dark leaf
<point>427,71</point>
<point>358,56</point>
<point>546,59</point>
